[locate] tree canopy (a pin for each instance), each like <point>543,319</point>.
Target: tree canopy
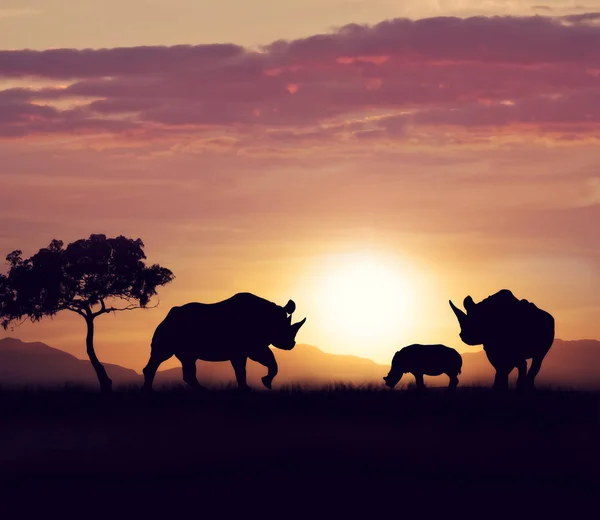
<point>86,273</point>
<point>90,277</point>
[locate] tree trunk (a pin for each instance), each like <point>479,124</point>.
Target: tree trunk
<point>103,379</point>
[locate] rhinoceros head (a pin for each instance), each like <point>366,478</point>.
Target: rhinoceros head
<point>490,319</point>
<point>284,332</point>
<point>472,322</point>
<point>396,372</point>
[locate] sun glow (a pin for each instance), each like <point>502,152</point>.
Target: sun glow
<point>366,298</point>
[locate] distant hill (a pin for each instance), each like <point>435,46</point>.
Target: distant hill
<point>23,363</point>
<point>304,364</point>
<point>573,364</point>
<point>36,363</point>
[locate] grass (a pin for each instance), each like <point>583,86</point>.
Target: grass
<point>354,443</point>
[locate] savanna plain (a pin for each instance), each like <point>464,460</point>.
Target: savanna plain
<point>339,449</point>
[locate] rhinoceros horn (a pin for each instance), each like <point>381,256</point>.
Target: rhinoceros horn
<point>290,307</point>
<point>296,326</point>
<point>459,314</point>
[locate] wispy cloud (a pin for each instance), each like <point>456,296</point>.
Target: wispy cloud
<point>397,80</point>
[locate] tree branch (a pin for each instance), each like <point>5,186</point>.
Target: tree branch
<point>105,310</point>
<point>102,306</point>
<point>128,308</point>
<point>75,309</point>
<point>153,306</point>
<point>9,324</point>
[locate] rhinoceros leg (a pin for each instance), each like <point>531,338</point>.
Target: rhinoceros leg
<point>536,364</point>
<point>150,369</point>
<point>266,358</point>
<point>420,382</point>
<point>501,378</point>
<point>522,382</point>
<point>453,381</point>
<point>239,367</point>
<point>188,367</point>
<point>502,369</point>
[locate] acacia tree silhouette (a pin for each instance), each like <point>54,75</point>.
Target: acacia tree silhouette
<point>80,279</point>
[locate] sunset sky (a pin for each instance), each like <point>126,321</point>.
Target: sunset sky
<point>390,154</point>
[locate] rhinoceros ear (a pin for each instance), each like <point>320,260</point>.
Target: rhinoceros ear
<point>290,307</point>
<point>468,304</point>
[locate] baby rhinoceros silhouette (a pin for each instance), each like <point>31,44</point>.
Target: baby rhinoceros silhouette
<point>420,360</point>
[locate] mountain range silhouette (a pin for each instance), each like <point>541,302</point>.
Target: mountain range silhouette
<point>569,364</point>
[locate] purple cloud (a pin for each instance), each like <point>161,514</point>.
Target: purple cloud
<point>472,72</point>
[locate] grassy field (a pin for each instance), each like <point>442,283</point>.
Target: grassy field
<point>340,448</point>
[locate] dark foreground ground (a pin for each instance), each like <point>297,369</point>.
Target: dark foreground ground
<point>292,453</point>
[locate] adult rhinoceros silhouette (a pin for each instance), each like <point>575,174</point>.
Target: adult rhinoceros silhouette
<point>511,332</point>
<point>235,329</point>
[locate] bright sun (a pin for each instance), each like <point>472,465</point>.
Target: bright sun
<point>366,297</point>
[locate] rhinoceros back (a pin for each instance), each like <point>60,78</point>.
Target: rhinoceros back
<point>216,328</point>
<point>429,359</point>
<point>517,323</point>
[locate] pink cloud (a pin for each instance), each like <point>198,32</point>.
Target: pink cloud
<point>470,73</point>
<point>129,61</point>
<point>519,40</point>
